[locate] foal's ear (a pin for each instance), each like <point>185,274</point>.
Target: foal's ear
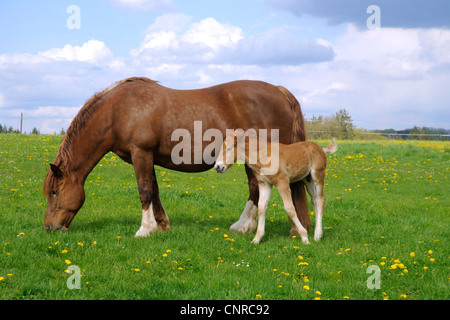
<point>56,170</point>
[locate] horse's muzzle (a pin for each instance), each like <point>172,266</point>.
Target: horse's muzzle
<point>49,228</point>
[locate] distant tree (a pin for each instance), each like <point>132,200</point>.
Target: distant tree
<point>35,131</point>
<point>345,124</point>
<point>63,132</point>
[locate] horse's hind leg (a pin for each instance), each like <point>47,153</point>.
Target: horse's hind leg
<point>247,220</point>
<point>158,210</point>
<point>143,168</point>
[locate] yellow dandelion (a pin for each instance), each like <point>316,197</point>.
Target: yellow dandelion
<point>412,254</point>
<point>258,296</point>
<point>137,270</point>
<point>67,261</point>
<point>64,251</point>
<point>306,287</point>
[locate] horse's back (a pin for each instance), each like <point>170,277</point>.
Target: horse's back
<point>147,114</point>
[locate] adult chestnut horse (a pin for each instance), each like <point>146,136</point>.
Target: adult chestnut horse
<point>135,119</point>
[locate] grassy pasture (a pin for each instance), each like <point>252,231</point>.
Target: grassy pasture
<point>387,205</point>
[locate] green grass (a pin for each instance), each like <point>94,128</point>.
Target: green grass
<point>385,201</point>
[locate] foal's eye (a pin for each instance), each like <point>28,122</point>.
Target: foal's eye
<point>54,192</point>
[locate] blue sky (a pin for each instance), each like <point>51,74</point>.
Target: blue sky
<point>395,76</point>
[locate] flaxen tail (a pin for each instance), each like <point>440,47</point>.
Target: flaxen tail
<point>331,148</point>
<point>298,133</point>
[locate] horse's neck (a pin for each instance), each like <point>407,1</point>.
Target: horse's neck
<point>87,151</point>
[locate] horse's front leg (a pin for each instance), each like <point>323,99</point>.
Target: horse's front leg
<point>143,168</point>
<point>158,210</point>
<point>247,220</point>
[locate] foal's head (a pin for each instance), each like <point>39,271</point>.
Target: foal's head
<point>65,196</point>
<point>230,150</point>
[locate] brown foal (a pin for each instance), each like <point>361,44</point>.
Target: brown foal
<point>294,162</point>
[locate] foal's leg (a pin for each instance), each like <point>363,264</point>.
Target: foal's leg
<point>285,193</point>
<point>264,195</point>
<point>315,186</point>
<point>143,168</point>
<point>247,221</point>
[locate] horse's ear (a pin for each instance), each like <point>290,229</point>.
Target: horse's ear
<point>56,170</point>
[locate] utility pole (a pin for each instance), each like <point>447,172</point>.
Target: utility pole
<point>21,120</point>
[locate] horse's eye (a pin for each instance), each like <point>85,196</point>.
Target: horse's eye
<point>54,192</point>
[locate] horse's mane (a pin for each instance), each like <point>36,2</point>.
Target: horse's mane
<point>65,154</point>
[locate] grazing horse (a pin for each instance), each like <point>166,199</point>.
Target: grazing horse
<point>286,164</point>
<point>136,118</point>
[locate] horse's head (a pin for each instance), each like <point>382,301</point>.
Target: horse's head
<point>228,153</point>
<point>65,196</point>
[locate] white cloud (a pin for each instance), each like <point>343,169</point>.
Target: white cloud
<point>53,112</point>
<point>163,5</point>
<point>2,100</point>
<point>91,51</point>
<point>213,34</point>
<point>209,41</point>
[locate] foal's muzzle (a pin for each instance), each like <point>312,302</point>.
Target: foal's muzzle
<point>220,167</point>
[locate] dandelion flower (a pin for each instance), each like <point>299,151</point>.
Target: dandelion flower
<point>306,287</point>
<point>412,254</point>
<point>67,261</point>
<point>137,270</point>
<point>258,296</point>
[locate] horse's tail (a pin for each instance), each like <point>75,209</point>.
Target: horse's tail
<point>298,133</point>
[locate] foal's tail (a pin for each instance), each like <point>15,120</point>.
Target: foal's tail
<point>331,148</point>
